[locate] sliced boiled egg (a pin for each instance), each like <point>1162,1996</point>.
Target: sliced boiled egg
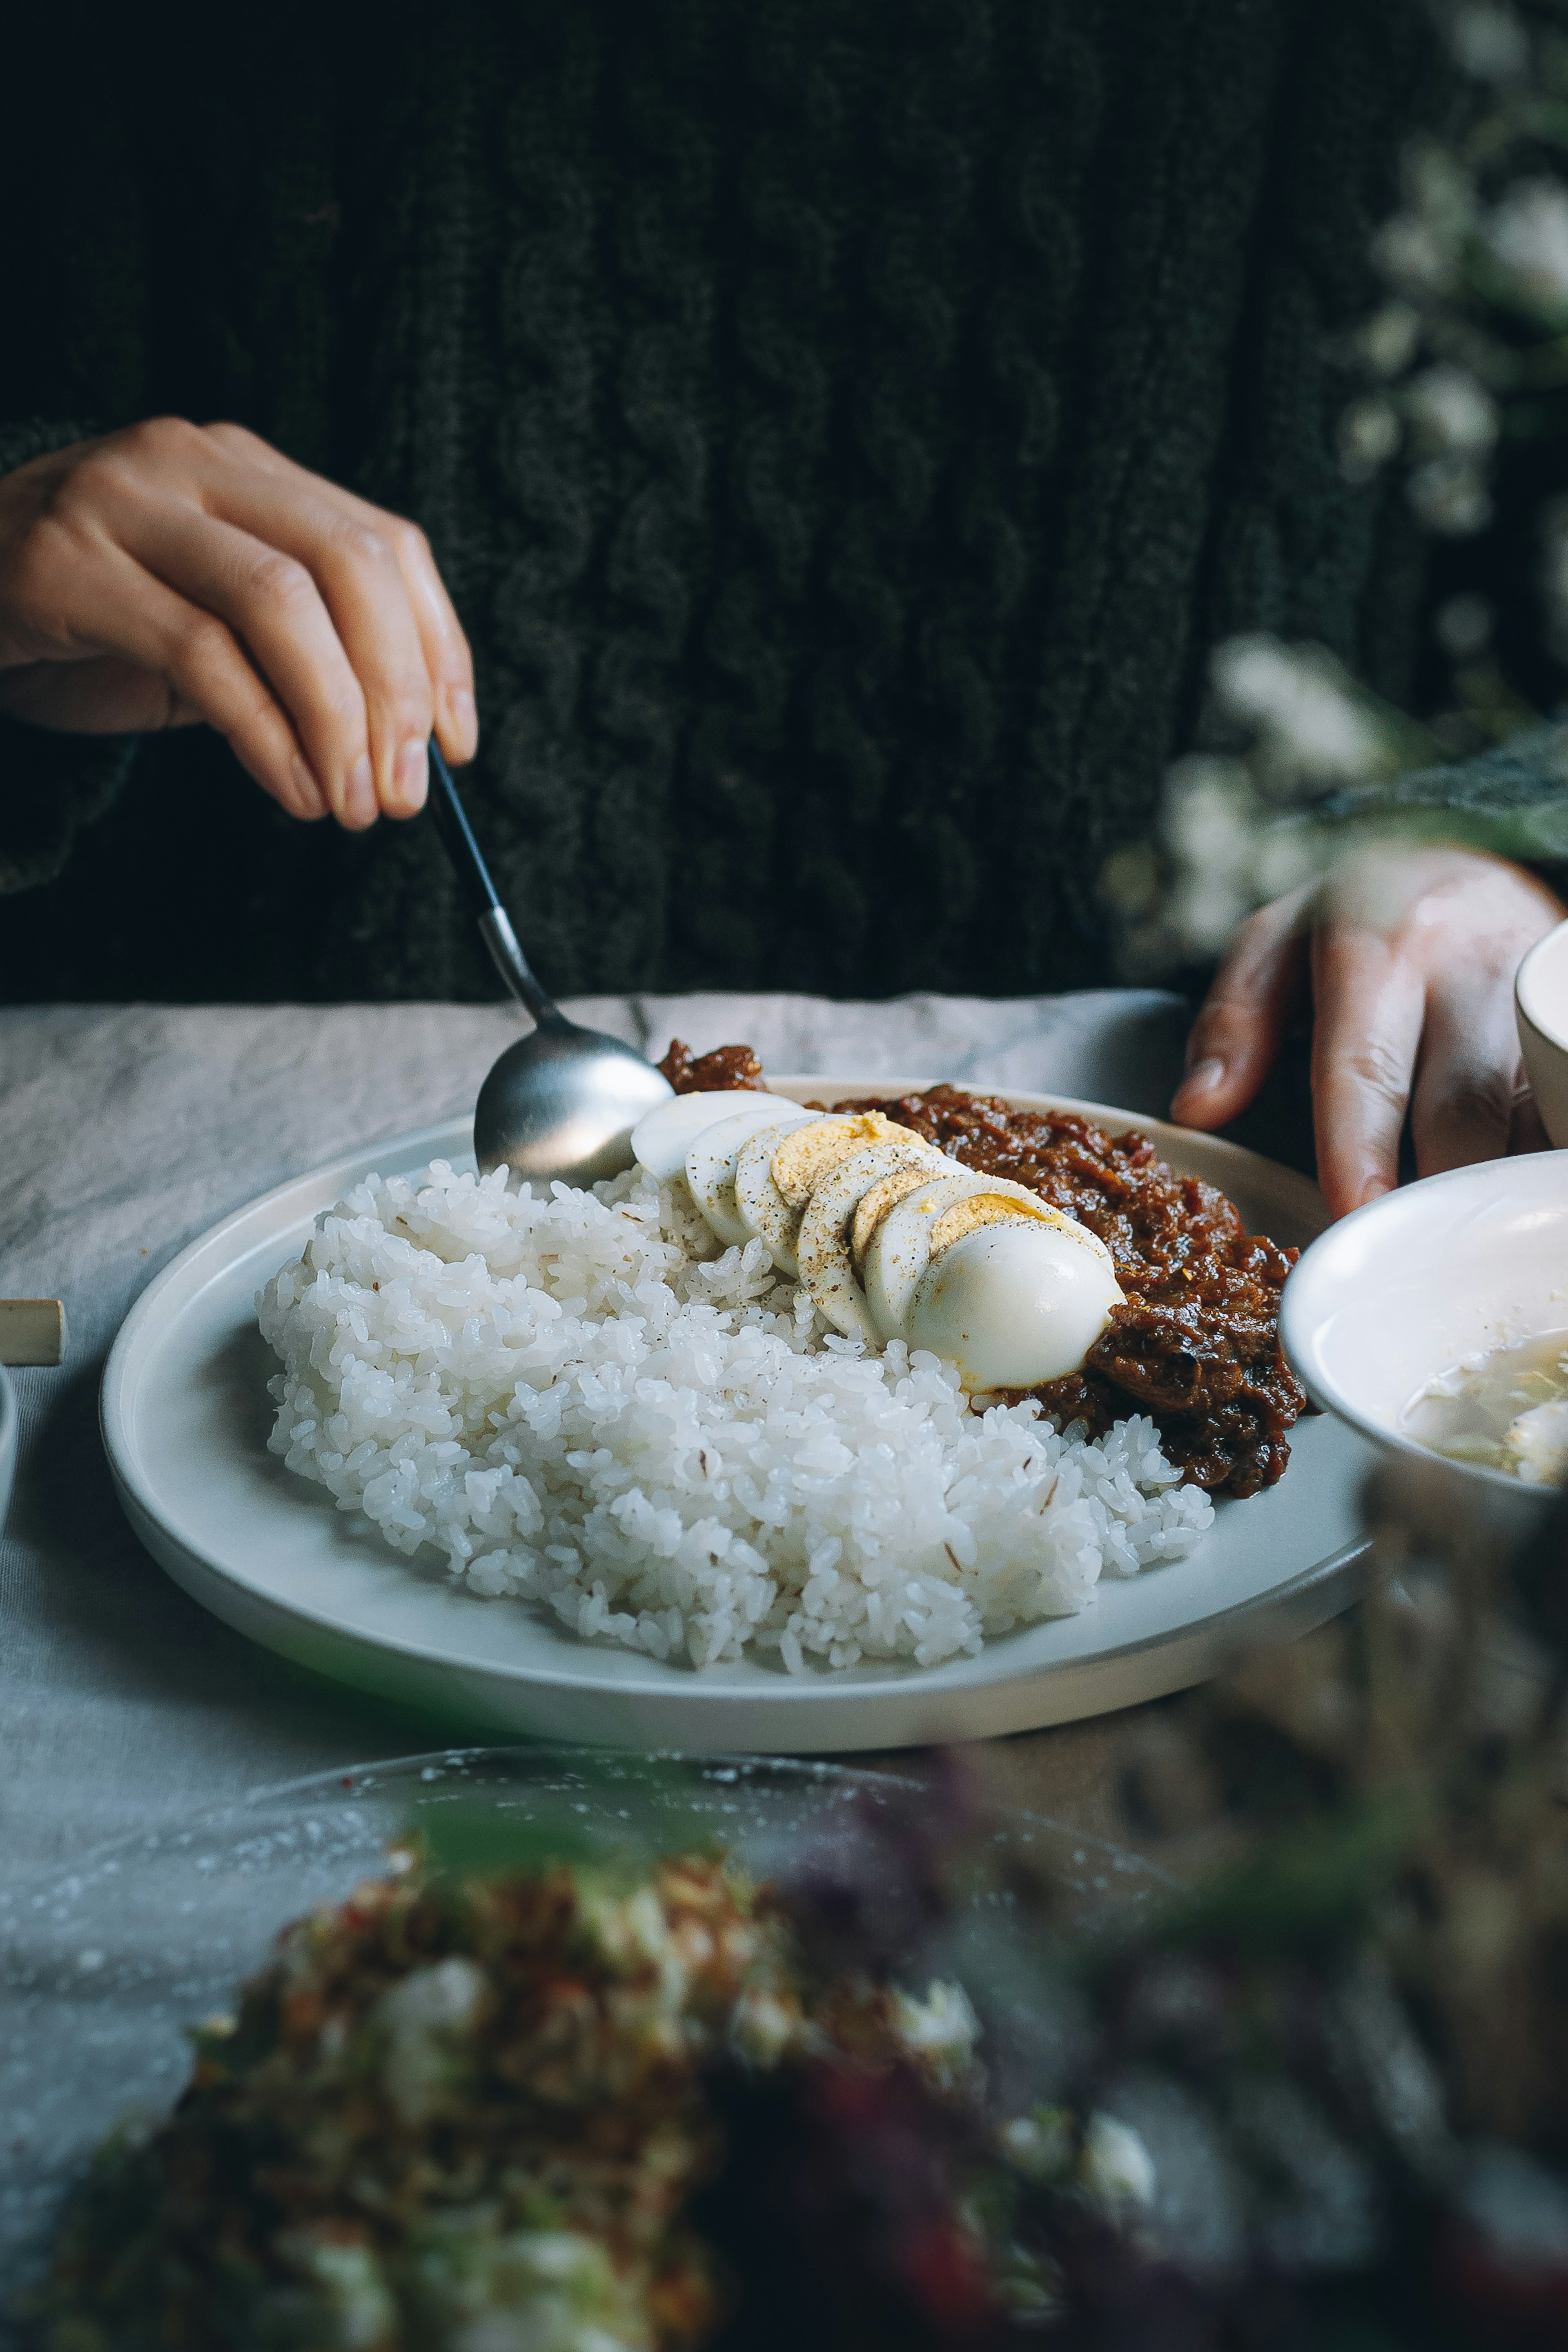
<point>663,1136</point>
<point>758,1200</point>
<point>1013,1302</point>
<point>711,1161</point>
<point>801,1160</point>
<point>873,1206</point>
<point>899,1250</point>
<point>774,1177</point>
<point>823,1248</point>
<point>997,1201</point>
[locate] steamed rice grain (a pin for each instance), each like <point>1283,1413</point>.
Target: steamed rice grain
<point>574,1410</point>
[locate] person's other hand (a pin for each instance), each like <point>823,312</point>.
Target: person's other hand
<point>1410,958</point>
<point>175,572</point>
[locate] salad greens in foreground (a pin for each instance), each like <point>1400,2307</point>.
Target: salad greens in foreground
<point>569,2099</point>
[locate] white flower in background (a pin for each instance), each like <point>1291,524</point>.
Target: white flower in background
<point>1286,853</point>
<point>1439,186</point>
<point>1418,249</point>
<point>1527,235</point>
<point>1449,413</point>
<point>1476,261</point>
<point>1490,43</point>
<point>1296,699</point>
<point>1116,2168</point>
<point>1468,341</point>
<point>1410,253</point>
<point>1206,912</point>
<point>1369,436</point>
<point>1464,625</point>
<point>1450,496</point>
<point>1385,344</point>
<point>1039,2145</point>
<point>1207,803</point>
<point>1239,828</point>
<point>1209,825</point>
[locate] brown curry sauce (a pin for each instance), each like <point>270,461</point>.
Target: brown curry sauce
<point>1196,1344</point>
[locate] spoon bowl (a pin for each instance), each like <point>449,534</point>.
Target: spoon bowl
<point>560,1105</point>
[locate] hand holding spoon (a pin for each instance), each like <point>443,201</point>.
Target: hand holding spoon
<point>562,1102</point>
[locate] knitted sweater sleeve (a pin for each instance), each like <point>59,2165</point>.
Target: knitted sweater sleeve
<point>51,784</point>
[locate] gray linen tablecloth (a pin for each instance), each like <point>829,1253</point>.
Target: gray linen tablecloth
<point>124,1131</point>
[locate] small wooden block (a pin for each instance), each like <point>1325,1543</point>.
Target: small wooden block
<point>32,1331</point>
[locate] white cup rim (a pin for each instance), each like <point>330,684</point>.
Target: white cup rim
<point>1526,994</point>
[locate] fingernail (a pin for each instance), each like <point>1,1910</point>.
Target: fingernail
<point>1202,1076</point>
<point>465,720</point>
<point>359,793</point>
<point>310,800</point>
<point>412,776</point>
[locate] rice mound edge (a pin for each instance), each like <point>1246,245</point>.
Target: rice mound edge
<point>565,1398</point>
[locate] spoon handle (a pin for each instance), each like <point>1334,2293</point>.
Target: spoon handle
<point>484,901</point>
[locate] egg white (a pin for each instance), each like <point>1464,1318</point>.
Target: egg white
<point>663,1136</point>
<point>900,1249</point>
<point>1012,1304</point>
<point>823,1249</point>
<point>710,1163</point>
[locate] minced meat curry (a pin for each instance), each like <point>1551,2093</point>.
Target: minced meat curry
<point>1196,1345</point>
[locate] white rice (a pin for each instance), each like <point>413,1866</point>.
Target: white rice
<point>562,1398</point>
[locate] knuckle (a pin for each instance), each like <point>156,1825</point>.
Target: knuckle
<point>342,710</point>
<point>198,643</point>
<point>37,561</point>
<point>1477,1099</point>
<point>1378,1067</point>
<point>362,542</point>
<point>282,580</point>
<point>237,438</point>
<point>160,440</point>
<point>103,478</point>
<point>408,540</point>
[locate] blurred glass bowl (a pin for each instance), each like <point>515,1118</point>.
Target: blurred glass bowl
<point>104,1966</point>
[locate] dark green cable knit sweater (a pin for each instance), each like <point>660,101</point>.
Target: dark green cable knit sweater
<point>845,426</point>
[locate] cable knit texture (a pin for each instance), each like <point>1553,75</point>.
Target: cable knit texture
<point>844,424</point>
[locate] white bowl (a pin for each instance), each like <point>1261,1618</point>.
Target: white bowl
<point>1540,1008</point>
<point>1414,1283</point>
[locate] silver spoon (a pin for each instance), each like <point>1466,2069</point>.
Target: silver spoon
<point>563,1101</point>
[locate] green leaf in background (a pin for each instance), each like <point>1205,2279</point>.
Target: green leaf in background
<point>462,1839</point>
<point>462,1836</point>
<point>1310,1888</point>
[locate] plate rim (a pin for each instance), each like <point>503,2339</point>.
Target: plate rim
<point>1311,1595</point>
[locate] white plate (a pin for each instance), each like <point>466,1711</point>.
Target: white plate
<point>185,1418</point>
